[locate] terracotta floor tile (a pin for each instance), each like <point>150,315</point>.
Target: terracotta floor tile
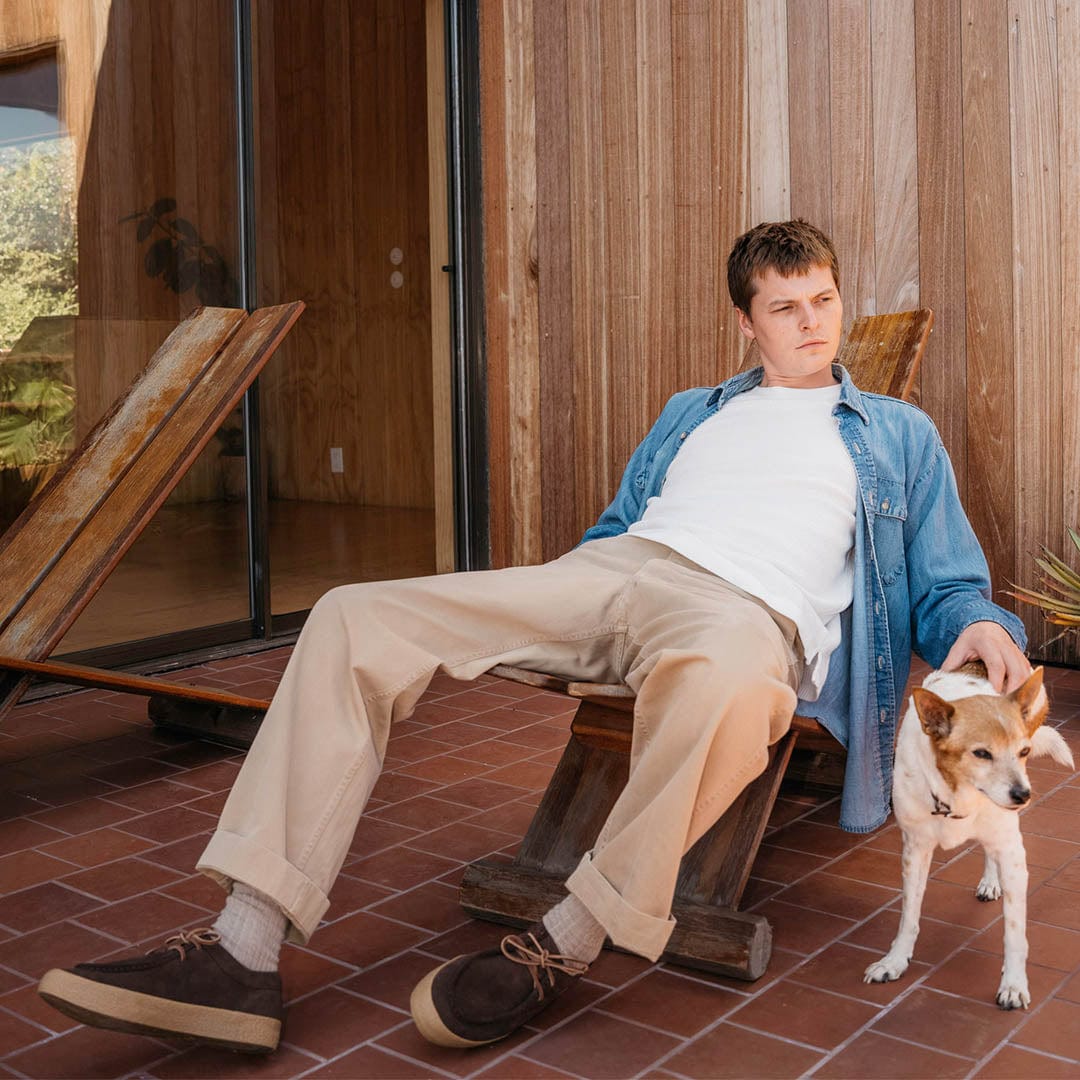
<point>28,1004</point>
<point>835,895</point>
<point>1065,798</point>
<point>409,748</point>
<point>42,904</point>
<point>600,1046</point>
<point>88,1054</point>
<point>613,968</point>
<point>470,937</point>
<point>218,776</point>
<point>85,816</point>
<point>462,841</point>
<point>1071,990</point>
<point>958,904</point>
<point>364,939</point>
<point>496,752</point>
<point>578,999</point>
<point>392,982</point>
<point>199,890</point>
<point>757,891</point>
<point>936,939</point>
<point>1059,907</point>
<point>392,787</point>
<point>870,865</point>
<point>97,847</point>
<point>150,916</point>
<point>432,906</point>
<point>121,879</point>
<point>12,980</point>
<point>1068,877</point>
<point>784,865</point>
<point>371,1063</point>
<point>519,1068</point>
<point>446,769</point>
<point>331,1021</point>
<point>819,1019</point>
<point>16,1033</point>
<point>211,804</point>
<point>957,1025</point>
<point>373,835</point>
<point>800,930</point>
<point>23,833</point>
<point>181,855</point>
<point>406,1040</point>
<point>421,813</point>
<point>303,971</point>
<point>977,974</point>
<point>728,1052</point>
<point>457,732</point>
<point>194,754</point>
<point>1054,1029</point>
<point>1041,821</point>
<point>815,838</point>
<point>400,868</point>
<point>349,894</point>
<point>26,868</point>
<point>525,774</point>
<point>840,968</point>
<point>60,945</point>
<point>540,736</point>
<point>672,1003</point>
<point>872,1055</point>
<point>205,1062</point>
<point>157,795</point>
<point>134,771</point>
<point>513,818</point>
<point>1014,1063</point>
<point>479,794</point>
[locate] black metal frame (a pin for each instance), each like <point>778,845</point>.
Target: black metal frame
<point>472,548</point>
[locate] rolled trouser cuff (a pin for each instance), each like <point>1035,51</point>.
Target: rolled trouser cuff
<point>230,857</point>
<point>627,927</point>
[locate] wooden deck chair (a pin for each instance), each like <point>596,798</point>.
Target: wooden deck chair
<point>60,550</point>
<point>882,353</point>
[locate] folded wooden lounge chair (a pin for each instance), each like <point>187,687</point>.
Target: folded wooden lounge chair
<point>882,352</point>
<point>57,554</point>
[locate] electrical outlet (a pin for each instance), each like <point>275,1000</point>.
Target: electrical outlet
<point>337,460</point>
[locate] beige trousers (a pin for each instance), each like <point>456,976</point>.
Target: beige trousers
<point>714,671</point>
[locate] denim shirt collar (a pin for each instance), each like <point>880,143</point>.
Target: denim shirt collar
<point>747,380</point>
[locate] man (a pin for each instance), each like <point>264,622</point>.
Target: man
<point>781,539</point>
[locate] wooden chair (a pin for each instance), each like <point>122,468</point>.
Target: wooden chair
<point>61,549</point>
<point>883,353</point>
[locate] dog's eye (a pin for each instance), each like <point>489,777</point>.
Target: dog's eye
<point>984,754</point>
<point>1025,751</point>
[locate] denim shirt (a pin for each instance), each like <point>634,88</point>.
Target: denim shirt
<point>920,575</point>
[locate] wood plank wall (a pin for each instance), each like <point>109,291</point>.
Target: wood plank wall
<point>627,144</point>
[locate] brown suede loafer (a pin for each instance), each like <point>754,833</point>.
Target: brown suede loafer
<point>485,996</point>
<point>192,987</point>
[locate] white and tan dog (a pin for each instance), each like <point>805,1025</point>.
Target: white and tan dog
<point>960,775</point>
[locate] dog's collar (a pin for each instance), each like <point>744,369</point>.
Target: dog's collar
<point>943,809</point>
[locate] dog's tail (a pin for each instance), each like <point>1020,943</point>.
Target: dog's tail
<point>1047,741</point>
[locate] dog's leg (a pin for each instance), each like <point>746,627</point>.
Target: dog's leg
<point>1013,991</point>
<point>916,864</point>
<point>990,886</point>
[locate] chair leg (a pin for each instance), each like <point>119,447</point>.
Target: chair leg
<point>710,933</point>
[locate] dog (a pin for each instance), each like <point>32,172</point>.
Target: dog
<point>960,775</point>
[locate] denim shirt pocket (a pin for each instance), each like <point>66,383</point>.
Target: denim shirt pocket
<point>890,514</point>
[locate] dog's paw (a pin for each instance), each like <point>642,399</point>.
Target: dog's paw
<point>988,890</point>
<point>1013,995</point>
<point>886,969</point>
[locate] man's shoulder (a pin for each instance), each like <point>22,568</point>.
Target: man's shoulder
<point>896,412</point>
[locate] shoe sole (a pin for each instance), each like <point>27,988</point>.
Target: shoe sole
<point>117,1009</point>
<point>429,1023</point>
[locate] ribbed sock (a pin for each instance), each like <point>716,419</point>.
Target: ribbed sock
<point>574,930</point>
<point>252,928</point>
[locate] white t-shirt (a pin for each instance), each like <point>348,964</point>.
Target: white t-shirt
<point>763,494</point>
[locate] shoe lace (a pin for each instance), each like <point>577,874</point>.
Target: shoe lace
<point>536,958</point>
<point>197,938</point>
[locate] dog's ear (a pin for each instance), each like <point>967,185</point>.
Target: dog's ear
<point>1031,697</point>
<point>935,713</point>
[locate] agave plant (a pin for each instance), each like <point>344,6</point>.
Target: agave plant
<point>1061,604</point>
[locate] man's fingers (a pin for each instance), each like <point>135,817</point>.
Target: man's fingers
<point>995,670</point>
<point>1018,671</point>
<point>958,654</point>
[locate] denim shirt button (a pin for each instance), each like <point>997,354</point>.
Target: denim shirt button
<point>858,448</point>
<point>682,436</point>
<point>881,663</point>
<point>883,715</point>
<point>877,607</point>
<point>884,504</point>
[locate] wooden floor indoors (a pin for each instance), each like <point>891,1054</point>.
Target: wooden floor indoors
<point>101,820</point>
<point>189,566</point>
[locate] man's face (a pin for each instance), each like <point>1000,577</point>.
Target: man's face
<point>796,323</point>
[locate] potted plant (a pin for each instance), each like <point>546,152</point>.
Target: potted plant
<point>1060,602</point>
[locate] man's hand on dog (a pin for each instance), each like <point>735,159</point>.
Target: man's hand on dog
<point>1006,666</point>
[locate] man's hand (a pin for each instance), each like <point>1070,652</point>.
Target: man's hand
<point>1006,666</point>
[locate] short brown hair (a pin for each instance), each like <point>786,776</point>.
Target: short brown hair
<point>788,247</point>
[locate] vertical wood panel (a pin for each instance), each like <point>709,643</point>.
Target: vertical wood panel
<point>730,157</point>
<point>767,92</point>
<point>851,120</point>
<point>811,133</point>
<point>896,185</point>
<point>559,499</point>
<point>1036,281</point>
<point>988,282</point>
<point>1068,59</point>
